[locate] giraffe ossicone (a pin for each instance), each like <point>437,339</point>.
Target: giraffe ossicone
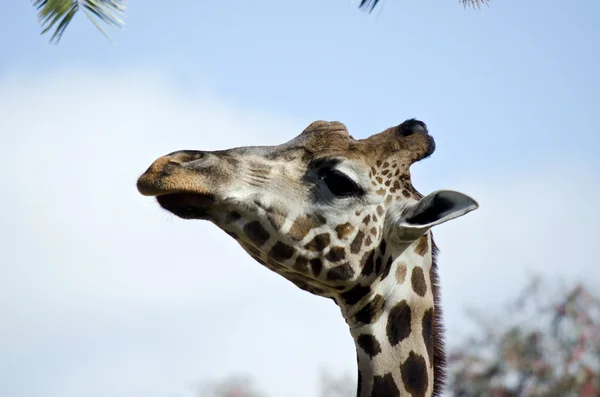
<point>339,218</point>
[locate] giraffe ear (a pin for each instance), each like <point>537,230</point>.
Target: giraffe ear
<point>433,209</point>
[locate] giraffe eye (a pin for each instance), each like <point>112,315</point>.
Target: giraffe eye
<point>339,184</point>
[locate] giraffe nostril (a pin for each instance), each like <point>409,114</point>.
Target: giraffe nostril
<point>194,154</point>
<point>412,126</point>
<point>184,156</point>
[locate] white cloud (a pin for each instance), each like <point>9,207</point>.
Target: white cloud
<point>118,297</point>
<point>104,294</point>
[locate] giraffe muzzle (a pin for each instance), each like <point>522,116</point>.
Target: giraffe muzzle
<point>179,187</point>
<point>172,174</point>
<point>187,205</point>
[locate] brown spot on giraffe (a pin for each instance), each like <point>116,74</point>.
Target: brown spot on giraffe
<point>304,224</point>
<point>319,242</point>
<point>369,344</point>
<point>256,233</point>
<point>316,265</point>
<point>418,281</point>
<point>368,263</point>
<point>414,375</point>
<point>340,273</point>
<point>357,243</point>
<point>398,325</point>
<point>281,252</point>
<point>384,386</point>
<point>336,254</point>
<point>344,230</point>
<point>371,311</point>
<point>401,273</point>
<point>422,245</point>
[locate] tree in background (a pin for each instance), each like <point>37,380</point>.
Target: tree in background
<point>58,14</point>
<point>232,386</point>
<point>547,343</point>
<point>336,386</point>
<point>243,386</point>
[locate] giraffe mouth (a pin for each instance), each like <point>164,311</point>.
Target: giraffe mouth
<point>187,205</point>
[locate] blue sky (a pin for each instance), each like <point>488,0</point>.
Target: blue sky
<point>513,76</point>
<point>97,285</point>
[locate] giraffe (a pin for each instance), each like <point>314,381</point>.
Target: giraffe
<point>339,218</point>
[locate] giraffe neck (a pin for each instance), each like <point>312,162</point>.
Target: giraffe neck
<point>398,341</point>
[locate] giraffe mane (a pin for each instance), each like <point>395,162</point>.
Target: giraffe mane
<point>439,348</point>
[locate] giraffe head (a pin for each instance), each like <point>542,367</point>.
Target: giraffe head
<point>336,216</point>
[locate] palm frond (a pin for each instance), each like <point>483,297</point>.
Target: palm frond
<point>474,3</point>
<point>369,5</point>
<point>60,13</point>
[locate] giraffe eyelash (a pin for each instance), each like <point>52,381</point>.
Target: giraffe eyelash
<point>340,184</point>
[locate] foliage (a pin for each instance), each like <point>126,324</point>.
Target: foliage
<point>242,386</point>
<point>111,12</point>
<point>369,5</point>
<point>61,12</point>
<point>546,344</point>
<point>233,386</point>
<point>331,386</point>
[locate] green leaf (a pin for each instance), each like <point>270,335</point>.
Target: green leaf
<point>474,3</point>
<point>63,24</point>
<point>61,12</point>
<point>369,5</point>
